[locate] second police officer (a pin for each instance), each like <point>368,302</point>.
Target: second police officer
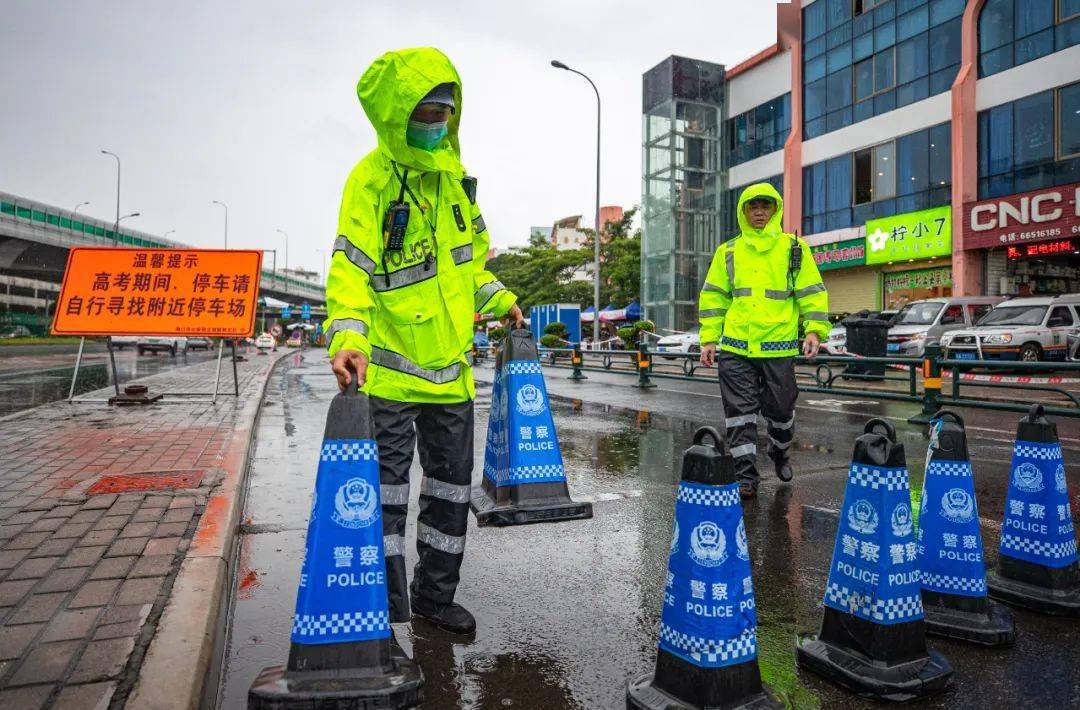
<point>406,278</point>
<point>760,286</point>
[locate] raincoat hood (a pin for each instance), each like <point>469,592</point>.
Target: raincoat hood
<point>389,91</point>
<point>774,227</point>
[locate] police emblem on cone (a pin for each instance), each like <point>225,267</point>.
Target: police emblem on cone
<point>872,639</point>
<point>1037,561</point>
<point>950,545</point>
<point>707,649</point>
<point>343,653</point>
<point>523,481</point>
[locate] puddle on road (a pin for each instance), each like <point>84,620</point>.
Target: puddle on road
<point>567,613</point>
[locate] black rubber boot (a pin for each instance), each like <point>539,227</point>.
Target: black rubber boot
<point>783,469</point>
<point>450,617</point>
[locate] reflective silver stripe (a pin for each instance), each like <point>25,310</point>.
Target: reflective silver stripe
<point>710,287</point>
<point>730,422</point>
<point>712,313</point>
<point>452,492</point>
<point>450,544</point>
<point>813,288</point>
<point>343,324</point>
<point>777,295</point>
<point>462,254</point>
<point>393,545</point>
<point>485,293</point>
<point>404,277</point>
<point>815,315</point>
<point>355,255</point>
<point>744,450</point>
<point>393,361</point>
<point>469,358</point>
<point>729,263</point>
<point>781,426</point>
<point>394,495</point>
<point>740,292</point>
<point>478,225</point>
<point>781,445</point>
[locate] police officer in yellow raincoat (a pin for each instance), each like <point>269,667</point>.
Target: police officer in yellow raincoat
<point>406,278</point>
<point>760,286</point>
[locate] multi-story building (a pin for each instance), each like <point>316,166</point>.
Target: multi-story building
<point>923,147</point>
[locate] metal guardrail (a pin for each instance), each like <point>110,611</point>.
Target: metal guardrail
<point>826,378</point>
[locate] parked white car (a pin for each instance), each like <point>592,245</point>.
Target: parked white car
<point>922,323</point>
<point>1025,329</point>
<point>122,341</point>
<point>161,343</point>
<point>682,343</point>
<point>265,341</point>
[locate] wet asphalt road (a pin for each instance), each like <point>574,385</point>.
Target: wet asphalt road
<point>567,612</point>
<point>32,375</point>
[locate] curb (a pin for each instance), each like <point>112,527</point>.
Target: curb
<point>174,671</point>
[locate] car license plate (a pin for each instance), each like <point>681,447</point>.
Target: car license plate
<point>964,355</point>
<point>894,347</point>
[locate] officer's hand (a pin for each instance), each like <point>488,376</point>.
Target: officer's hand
<point>708,354</point>
<point>811,345</point>
<point>346,361</point>
<point>514,317</point>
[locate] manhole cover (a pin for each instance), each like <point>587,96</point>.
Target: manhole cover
<point>135,482</point>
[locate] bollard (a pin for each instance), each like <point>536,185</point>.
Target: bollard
<point>1037,561</point>
<point>576,360</point>
<point>931,385</point>
<point>872,638</point>
<point>343,653</point>
<point>950,545</point>
<point>644,367</point>
<point>524,481</point>
<point>707,647</point>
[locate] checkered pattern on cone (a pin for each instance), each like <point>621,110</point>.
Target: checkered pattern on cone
<point>349,451</point>
<point>891,479</point>
<point>949,468</point>
<point>1041,548</point>
<point>708,495</point>
<point>893,609</point>
<point>742,647</point>
<point>315,625</point>
<point>522,367</point>
<point>946,583</point>
<point>1046,452</point>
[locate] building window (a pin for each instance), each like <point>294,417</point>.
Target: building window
<point>1030,144</point>
<point>1014,32</point>
<point>759,131</point>
<point>875,173</point>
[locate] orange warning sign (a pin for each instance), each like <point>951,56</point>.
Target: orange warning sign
<point>208,292</point>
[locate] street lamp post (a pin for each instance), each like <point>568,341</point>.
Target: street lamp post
<point>121,219</point>
<point>596,240</point>
<point>116,228</point>
<point>282,231</point>
<point>76,210</point>
<point>166,235</point>
<point>218,202</point>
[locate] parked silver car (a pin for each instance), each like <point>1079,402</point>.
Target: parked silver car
<point>922,323</point>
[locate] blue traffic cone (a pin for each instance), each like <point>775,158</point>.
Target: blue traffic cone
<point>523,481</point>
<point>872,638</point>
<point>951,565</point>
<point>1037,561</point>
<point>343,653</point>
<point>707,655</point>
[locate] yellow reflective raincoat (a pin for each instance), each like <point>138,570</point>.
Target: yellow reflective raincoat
<point>410,311</point>
<point>751,303</point>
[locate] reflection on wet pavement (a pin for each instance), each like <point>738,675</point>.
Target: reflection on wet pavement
<point>568,612</point>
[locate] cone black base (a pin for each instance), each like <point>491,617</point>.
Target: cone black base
<point>1059,602</point>
<point>348,689</point>
<point>641,694</point>
<point>535,510</point>
<point>872,679</point>
<point>992,627</point>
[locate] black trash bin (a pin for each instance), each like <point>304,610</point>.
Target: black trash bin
<point>867,337</point>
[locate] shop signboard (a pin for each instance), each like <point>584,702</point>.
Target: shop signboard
<point>1058,246</point>
<point>914,235</point>
<point>1052,213</point>
<point>840,255</point>
<point>919,279</point>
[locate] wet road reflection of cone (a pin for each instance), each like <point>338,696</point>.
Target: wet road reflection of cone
<point>951,565</point>
<point>707,655</point>
<point>524,481</point>
<point>343,654</point>
<point>1037,562</point>
<point>872,638</point>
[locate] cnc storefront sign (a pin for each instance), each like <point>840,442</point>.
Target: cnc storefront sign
<point>839,255</point>
<point>916,235</point>
<point>1050,213</point>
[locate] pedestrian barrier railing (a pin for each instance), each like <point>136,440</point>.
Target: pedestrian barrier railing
<point>844,375</point>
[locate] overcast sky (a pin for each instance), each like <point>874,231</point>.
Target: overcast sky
<point>254,104</point>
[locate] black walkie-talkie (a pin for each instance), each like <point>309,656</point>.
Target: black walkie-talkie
<point>396,219</point>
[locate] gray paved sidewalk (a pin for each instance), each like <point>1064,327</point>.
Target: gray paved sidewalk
<point>98,508</point>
